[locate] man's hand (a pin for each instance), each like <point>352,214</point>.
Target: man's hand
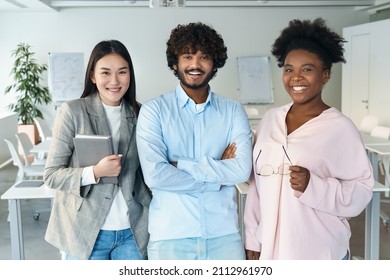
<point>230,151</point>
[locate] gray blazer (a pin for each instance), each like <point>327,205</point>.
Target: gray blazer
<point>79,211</point>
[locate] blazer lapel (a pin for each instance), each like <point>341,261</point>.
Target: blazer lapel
<point>100,126</point>
<point>97,115</point>
<point>127,129</point>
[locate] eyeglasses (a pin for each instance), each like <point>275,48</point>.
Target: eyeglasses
<point>268,169</point>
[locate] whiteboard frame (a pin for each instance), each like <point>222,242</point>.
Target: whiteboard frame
<point>66,76</point>
<point>255,80</point>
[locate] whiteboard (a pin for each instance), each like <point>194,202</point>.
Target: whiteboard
<point>255,80</point>
<point>66,76</point>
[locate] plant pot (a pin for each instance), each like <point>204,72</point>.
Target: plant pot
<point>31,130</point>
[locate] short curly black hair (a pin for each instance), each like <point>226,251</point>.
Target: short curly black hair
<point>194,37</point>
<point>313,36</point>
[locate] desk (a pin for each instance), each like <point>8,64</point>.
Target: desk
<point>371,140</point>
<point>380,150</point>
<point>14,195</point>
<point>375,151</point>
<point>41,148</point>
<point>372,226</point>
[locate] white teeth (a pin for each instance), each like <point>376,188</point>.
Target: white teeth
<point>194,72</point>
<point>299,88</point>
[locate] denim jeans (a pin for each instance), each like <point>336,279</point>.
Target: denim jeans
<point>113,245</point>
<point>346,257</point>
<point>228,247</point>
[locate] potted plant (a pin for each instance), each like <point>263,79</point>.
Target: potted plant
<point>27,74</point>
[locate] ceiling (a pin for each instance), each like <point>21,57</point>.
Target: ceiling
<point>57,5</point>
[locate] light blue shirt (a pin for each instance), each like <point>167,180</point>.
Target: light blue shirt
<point>198,198</point>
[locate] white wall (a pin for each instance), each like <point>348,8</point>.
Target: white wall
<point>246,31</point>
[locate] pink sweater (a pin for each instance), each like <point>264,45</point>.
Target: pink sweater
<point>286,224</point>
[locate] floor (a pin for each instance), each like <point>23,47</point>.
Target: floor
<point>36,248</point>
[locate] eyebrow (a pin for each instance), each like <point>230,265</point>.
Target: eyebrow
<point>304,65</point>
<point>106,68</point>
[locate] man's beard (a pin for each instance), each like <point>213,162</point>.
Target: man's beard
<point>205,82</point>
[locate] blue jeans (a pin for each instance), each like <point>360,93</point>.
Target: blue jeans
<point>113,245</point>
<point>228,247</point>
<point>346,257</point>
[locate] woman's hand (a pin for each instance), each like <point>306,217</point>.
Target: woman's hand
<point>252,255</point>
<point>109,166</point>
<point>299,177</point>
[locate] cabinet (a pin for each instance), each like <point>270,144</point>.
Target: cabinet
<point>366,74</point>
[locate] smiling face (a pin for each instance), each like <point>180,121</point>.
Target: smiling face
<point>112,78</point>
<point>304,76</point>
<point>195,70</point>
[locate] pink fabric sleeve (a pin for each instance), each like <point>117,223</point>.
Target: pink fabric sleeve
<point>252,217</point>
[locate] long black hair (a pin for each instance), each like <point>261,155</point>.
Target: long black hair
<point>100,50</point>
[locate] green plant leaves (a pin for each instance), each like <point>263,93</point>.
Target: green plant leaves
<point>27,73</point>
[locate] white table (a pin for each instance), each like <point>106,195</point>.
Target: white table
<point>371,140</point>
<point>377,147</point>
<point>376,151</point>
<point>14,195</point>
<point>41,148</point>
<point>372,224</point>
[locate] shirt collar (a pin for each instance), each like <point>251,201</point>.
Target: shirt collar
<point>184,99</point>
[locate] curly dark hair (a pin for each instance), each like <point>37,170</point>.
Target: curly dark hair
<point>313,36</point>
<point>195,37</point>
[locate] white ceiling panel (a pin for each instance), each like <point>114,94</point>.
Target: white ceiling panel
<point>50,5</point>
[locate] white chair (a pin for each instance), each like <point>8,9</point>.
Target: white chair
<point>26,146</point>
<point>44,129</point>
<point>381,132</point>
<point>368,123</point>
<point>26,172</point>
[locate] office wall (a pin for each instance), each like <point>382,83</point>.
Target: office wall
<point>246,31</point>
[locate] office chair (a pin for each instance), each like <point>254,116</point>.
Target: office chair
<point>29,172</point>
<point>383,132</point>
<point>368,123</point>
<point>44,129</point>
<point>26,146</point>
<point>24,172</point>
